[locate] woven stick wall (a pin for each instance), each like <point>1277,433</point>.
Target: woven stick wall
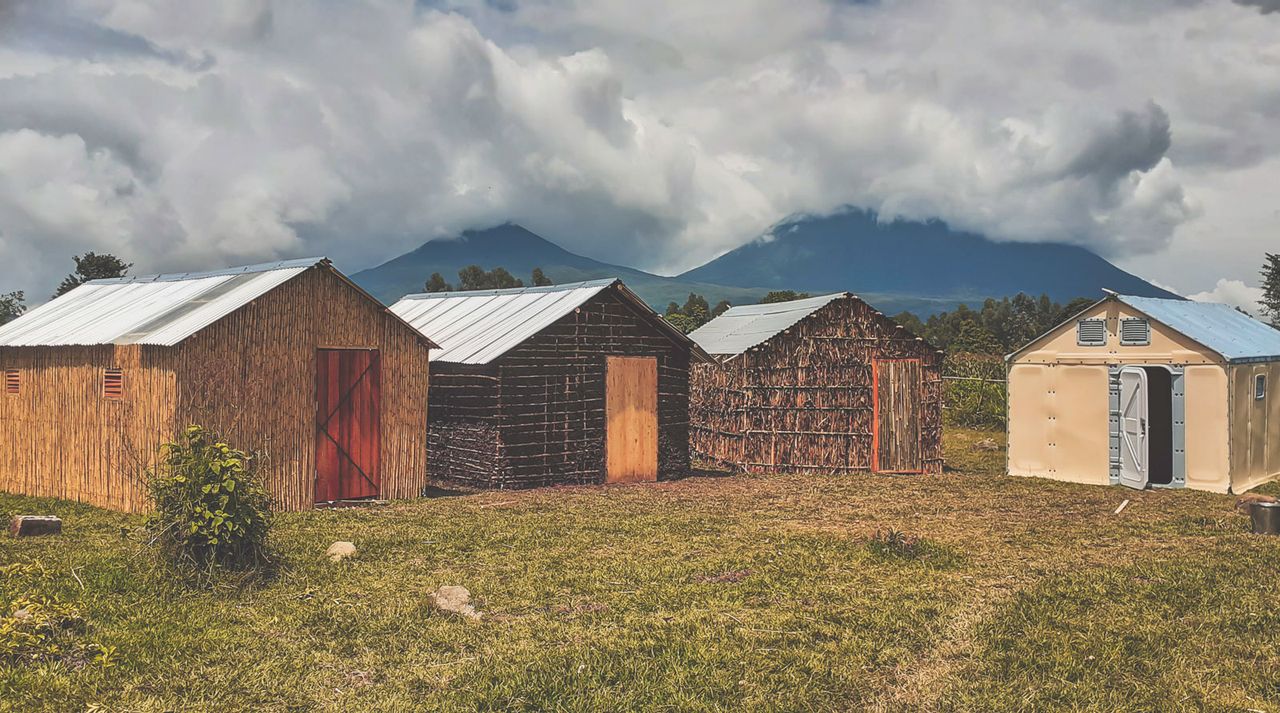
<point>536,416</point>
<point>803,401</point>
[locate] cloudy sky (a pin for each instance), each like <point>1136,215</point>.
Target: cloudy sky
<point>657,133</point>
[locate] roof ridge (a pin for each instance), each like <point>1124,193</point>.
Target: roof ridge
<point>224,272</point>
<point>564,287</point>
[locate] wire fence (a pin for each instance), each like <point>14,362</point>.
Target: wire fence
<point>974,390</point>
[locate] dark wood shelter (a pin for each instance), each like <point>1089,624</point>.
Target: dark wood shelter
<point>824,384</point>
<point>288,359</point>
<point>568,384</point>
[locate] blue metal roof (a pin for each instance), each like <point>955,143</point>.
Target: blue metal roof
<point>1236,336</point>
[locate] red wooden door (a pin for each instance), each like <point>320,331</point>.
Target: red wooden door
<point>348,404</point>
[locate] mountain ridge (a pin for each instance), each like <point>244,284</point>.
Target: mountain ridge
<point>848,252</point>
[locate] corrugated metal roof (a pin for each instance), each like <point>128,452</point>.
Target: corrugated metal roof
<point>151,309</point>
<point>478,327</point>
<point>741,328</point>
<point>1237,337</point>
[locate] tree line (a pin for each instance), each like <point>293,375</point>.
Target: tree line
<point>474,277</point>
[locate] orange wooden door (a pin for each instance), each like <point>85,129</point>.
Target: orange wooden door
<point>348,406</point>
<point>631,413</point>
<point>898,388</point>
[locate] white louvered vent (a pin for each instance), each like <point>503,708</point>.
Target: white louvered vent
<point>1091,332</point>
<point>1135,332</point>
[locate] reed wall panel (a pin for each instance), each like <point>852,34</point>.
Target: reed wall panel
<point>61,438</point>
<point>803,401</point>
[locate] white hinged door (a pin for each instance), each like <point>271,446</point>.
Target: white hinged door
<point>1135,467</point>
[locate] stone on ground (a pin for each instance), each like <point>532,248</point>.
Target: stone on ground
<point>454,600</point>
<point>31,525</point>
<point>339,551</point>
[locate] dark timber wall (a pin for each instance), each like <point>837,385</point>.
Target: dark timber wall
<point>536,415</point>
<point>803,400</point>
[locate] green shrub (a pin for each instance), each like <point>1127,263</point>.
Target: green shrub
<point>212,510</point>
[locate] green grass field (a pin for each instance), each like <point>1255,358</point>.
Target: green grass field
<point>706,594</point>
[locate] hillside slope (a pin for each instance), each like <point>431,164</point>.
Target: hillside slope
<point>851,251</point>
<point>519,251</point>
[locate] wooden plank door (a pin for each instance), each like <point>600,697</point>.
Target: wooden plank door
<point>348,408</point>
<point>897,388</point>
<point>631,416</point>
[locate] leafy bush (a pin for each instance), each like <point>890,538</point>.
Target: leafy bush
<point>211,507</point>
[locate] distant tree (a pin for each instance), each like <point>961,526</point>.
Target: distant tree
<point>474,277</point>
<point>1073,308</point>
<point>783,296</point>
<point>721,307</point>
<point>12,305</point>
<point>92,266</point>
<point>502,280</point>
<point>540,278</point>
<point>437,284</point>
<point>683,322</point>
<point>1270,302</point>
<point>911,322</point>
<point>695,312</point>
<point>973,338</point>
<point>696,307</point>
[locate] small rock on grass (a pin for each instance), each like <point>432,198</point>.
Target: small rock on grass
<point>339,551</point>
<point>986,444</point>
<point>31,525</point>
<point>455,600</point>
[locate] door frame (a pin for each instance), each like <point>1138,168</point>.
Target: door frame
<point>316,424</point>
<point>1177,384</point>
<point>875,418</point>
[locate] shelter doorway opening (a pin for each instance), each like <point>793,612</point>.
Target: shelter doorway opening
<point>631,419</point>
<point>1146,426</point>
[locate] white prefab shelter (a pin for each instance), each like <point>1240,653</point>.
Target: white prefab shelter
<point>1139,391</point>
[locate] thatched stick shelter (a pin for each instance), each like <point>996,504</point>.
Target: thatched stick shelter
<point>824,384</point>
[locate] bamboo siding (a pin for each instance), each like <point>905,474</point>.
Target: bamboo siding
<point>545,402</point>
<point>803,400</point>
<point>251,376</point>
<point>60,438</point>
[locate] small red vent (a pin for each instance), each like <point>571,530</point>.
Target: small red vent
<point>113,384</point>
<point>12,381</point>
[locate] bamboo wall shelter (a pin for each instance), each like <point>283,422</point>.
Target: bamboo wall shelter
<point>824,384</point>
<point>567,384</point>
<point>288,359</point>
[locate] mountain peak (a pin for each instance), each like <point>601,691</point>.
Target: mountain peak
<point>854,251</point>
